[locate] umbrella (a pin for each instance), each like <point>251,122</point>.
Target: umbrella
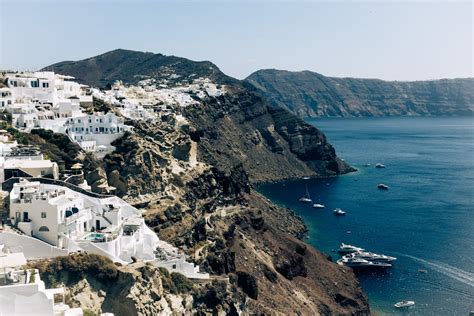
<point>76,166</point>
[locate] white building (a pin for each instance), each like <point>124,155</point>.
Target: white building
<point>43,99</point>
<point>92,131</point>
<point>23,293</point>
<point>27,167</point>
<point>67,219</point>
<point>6,98</point>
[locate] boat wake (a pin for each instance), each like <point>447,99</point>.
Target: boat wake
<point>450,271</point>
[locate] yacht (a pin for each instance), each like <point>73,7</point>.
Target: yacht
<point>358,263</point>
<point>344,248</point>
<point>382,186</point>
<point>306,198</point>
<point>317,205</point>
<point>379,165</point>
<point>339,212</point>
<point>404,304</point>
<point>370,256</point>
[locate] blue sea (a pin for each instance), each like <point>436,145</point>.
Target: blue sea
<point>426,218</point>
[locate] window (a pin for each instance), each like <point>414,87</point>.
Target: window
<point>43,214</point>
<point>34,84</point>
<point>45,84</point>
<point>43,229</point>
<point>43,172</point>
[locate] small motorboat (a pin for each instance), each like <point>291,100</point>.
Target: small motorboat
<point>404,304</point>
<point>345,248</point>
<point>379,165</point>
<point>339,212</point>
<point>382,186</point>
<point>423,271</point>
<point>317,205</point>
<point>367,165</point>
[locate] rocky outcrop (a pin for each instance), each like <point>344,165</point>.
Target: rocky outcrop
<point>272,144</point>
<point>309,94</point>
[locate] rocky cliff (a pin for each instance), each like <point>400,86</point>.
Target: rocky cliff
<point>192,175</point>
<point>309,94</point>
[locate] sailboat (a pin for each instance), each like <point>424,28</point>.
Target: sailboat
<point>306,198</point>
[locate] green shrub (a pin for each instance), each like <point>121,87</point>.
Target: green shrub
<point>182,283</point>
<point>78,266</point>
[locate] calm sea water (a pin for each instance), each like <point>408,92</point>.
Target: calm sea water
<point>426,219</point>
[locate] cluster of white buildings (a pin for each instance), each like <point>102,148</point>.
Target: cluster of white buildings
<point>52,101</point>
<point>60,218</point>
<point>23,293</point>
<point>51,218</point>
<point>151,99</point>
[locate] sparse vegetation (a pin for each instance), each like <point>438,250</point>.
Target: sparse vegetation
<point>77,265</point>
<point>175,282</point>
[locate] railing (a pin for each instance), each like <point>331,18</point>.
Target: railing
<point>8,186</point>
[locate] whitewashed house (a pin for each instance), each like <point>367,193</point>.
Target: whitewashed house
<point>27,167</point>
<point>23,293</point>
<point>67,219</point>
<point>95,131</point>
<point>6,98</point>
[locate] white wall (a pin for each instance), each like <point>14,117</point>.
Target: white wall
<point>31,247</point>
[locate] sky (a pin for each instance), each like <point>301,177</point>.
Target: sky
<point>391,40</point>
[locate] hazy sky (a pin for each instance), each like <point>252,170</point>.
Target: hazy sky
<point>389,40</point>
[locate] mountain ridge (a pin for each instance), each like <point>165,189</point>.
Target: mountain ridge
<point>118,64</point>
<point>310,94</point>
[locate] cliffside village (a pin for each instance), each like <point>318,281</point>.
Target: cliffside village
<point>52,211</point>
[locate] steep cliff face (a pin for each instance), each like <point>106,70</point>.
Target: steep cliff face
<point>192,174</point>
<point>309,94</point>
<point>271,143</point>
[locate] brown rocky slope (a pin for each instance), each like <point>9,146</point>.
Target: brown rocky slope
<point>194,177</point>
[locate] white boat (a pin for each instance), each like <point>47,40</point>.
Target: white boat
<point>382,186</point>
<point>339,212</point>
<point>404,304</point>
<point>359,263</point>
<point>306,198</point>
<point>317,205</point>
<point>379,165</point>
<point>370,256</point>
<point>345,248</point>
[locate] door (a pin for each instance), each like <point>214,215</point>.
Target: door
<point>97,224</point>
<point>25,216</point>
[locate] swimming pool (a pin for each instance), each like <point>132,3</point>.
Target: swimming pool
<point>94,237</point>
